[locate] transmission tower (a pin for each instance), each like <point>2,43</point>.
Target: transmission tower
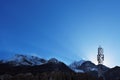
<point>100,56</point>
<point>100,59</point>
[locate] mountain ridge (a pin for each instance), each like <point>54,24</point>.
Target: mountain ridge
<point>33,65</point>
<point>81,66</point>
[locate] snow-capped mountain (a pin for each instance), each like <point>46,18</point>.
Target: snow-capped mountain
<point>53,60</point>
<point>40,66</point>
<point>26,64</point>
<point>75,66</point>
<point>87,67</point>
<point>28,60</point>
<point>20,59</point>
<point>81,66</point>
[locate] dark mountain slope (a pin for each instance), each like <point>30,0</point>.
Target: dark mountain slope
<point>113,74</point>
<point>48,67</point>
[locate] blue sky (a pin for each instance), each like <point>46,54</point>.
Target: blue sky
<point>66,29</point>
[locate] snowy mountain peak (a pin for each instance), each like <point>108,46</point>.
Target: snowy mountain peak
<point>76,64</point>
<point>88,66</point>
<point>27,60</point>
<point>53,60</point>
<point>20,59</point>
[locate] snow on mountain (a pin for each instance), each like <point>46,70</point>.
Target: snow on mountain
<point>53,60</point>
<point>83,66</point>
<point>88,66</point>
<point>78,70</point>
<point>28,60</point>
<point>19,59</point>
<point>75,65</point>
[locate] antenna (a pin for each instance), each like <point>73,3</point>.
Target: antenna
<point>100,59</point>
<point>100,56</point>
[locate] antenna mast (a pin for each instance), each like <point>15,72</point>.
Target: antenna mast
<point>100,59</point>
<point>100,56</point>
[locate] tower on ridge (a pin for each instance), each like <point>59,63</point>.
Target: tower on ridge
<point>100,59</point>
<point>100,56</point>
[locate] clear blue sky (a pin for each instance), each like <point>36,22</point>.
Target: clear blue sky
<point>66,29</point>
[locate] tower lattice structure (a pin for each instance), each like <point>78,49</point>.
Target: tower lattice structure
<point>100,56</point>
<point>100,59</point>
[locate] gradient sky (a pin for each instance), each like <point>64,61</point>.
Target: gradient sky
<point>65,29</point>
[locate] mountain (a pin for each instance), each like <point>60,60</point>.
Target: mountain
<point>23,67</point>
<point>103,68</point>
<point>88,66</point>
<point>26,64</point>
<point>26,60</point>
<point>113,73</point>
<point>53,60</point>
<point>83,66</point>
<point>20,59</point>
<point>75,66</point>
<point>20,67</point>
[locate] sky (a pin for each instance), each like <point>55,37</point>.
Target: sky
<point>69,30</point>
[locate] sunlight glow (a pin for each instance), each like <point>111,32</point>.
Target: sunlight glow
<point>91,54</point>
